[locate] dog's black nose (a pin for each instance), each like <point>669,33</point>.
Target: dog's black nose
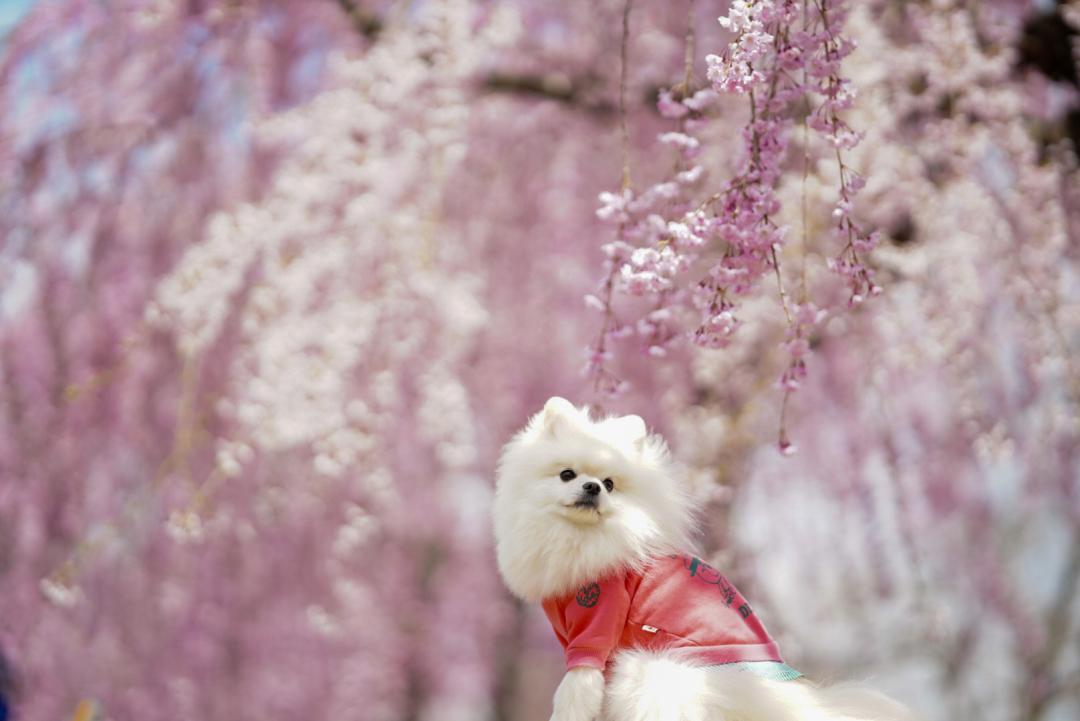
<point>593,489</point>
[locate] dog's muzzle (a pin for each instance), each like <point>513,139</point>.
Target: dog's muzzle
<point>590,496</point>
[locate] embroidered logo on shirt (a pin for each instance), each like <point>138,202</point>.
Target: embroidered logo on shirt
<point>588,595</point>
<point>710,575</point>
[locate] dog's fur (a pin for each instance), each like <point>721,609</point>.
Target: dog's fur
<point>548,542</point>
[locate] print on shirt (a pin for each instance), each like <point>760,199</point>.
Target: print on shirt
<point>703,571</point>
<point>588,595</point>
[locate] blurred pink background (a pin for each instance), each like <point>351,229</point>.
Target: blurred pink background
<point>279,278</point>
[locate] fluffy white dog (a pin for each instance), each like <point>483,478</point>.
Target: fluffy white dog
<point>590,522</point>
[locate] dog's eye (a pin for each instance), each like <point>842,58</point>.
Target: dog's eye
<point>568,474</point>
<point>609,484</point>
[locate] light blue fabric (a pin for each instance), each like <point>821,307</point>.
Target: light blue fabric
<point>772,670</point>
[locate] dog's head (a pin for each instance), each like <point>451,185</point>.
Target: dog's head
<point>576,498</point>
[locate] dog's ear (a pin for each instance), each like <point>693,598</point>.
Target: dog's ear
<point>630,429</point>
<point>559,406</point>
<point>558,414</point>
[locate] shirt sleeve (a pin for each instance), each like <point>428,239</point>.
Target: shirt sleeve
<point>595,617</point>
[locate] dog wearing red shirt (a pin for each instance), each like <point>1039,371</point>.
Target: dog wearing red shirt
<point>590,522</point>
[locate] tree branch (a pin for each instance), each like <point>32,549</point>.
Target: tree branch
<point>553,86</point>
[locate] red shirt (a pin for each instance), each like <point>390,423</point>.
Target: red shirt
<point>678,602</point>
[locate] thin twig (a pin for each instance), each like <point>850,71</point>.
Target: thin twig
<point>624,129</point>
<point>688,77</point>
<point>805,172</point>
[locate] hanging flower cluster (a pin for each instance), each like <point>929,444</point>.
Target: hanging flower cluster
<point>697,254</point>
<point>826,50</point>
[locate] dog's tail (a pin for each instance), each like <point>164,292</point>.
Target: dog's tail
<point>647,686</point>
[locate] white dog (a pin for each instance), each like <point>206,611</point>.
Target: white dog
<point>590,522</point>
